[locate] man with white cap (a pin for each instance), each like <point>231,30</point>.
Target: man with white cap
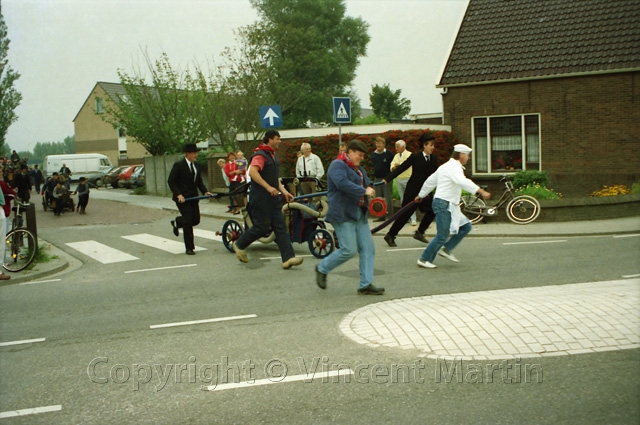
<point>448,181</point>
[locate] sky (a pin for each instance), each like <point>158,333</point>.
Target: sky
<point>62,48</point>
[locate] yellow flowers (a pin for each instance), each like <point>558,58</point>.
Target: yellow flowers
<point>618,189</point>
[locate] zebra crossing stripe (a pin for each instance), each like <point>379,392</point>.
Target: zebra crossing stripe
<point>168,245</point>
<point>100,252</point>
<point>206,234</point>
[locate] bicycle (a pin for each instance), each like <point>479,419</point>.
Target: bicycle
<point>521,209</point>
<point>21,245</point>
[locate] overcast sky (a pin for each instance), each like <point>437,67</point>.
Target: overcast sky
<point>62,48</point>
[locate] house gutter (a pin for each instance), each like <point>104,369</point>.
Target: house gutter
<point>542,77</point>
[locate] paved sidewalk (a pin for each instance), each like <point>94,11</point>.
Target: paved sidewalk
<point>218,208</point>
<point>509,323</point>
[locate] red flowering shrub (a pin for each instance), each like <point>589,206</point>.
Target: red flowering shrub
<point>326,147</point>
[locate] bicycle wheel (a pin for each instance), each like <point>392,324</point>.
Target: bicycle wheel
<point>20,250</point>
<point>523,209</point>
<point>471,206</point>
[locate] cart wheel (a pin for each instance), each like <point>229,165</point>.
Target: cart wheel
<point>321,243</point>
<point>321,224</point>
<point>231,231</point>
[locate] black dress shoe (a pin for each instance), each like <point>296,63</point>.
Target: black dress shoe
<point>190,252</point>
<point>390,240</point>
<point>175,228</point>
<point>420,237</point>
<point>321,279</point>
<point>370,290</point>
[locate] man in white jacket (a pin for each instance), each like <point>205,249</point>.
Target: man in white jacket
<point>308,165</point>
<point>448,180</point>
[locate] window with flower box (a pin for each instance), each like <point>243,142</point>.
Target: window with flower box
<point>503,144</point>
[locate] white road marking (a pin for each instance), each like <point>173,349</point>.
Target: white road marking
<point>168,245</point>
<point>100,252</point>
<point>206,234</point>
<point>197,322</point>
<point>631,276</point>
<point>406,249</point>
<point>33,411</point>
<point>274,380</point>
<point>160,268</point>
<point>24,341</point>
<point>627,236</point>
<point>40,281</point>
<point>280,258</point>
<point>532,242</point>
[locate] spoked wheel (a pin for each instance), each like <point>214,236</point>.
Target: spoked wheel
<point>321,243</point>
<point>231,231</point>
<point>20,250</point>
<point>523,209</point>
<point>471,206</point>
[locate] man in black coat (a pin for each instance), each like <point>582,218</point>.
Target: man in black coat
<point>423,165</point>
<point>184,181</point>
<point>22,184</point>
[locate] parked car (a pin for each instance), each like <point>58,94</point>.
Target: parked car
<point>136,179</point>
<point>111,179</point>
<point>126,173</point>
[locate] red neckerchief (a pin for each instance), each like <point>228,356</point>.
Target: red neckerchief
<point>343,156</point>
<point>264,147</point>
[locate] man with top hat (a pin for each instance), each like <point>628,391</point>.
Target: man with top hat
<point>265,204</point>
<point>184,181</point>
<point>449,181</point>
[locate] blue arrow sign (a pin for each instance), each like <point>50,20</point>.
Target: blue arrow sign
<point>341,110</point>
<point>270,116</point>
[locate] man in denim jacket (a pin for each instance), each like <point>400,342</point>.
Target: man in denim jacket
<point>348,192</point>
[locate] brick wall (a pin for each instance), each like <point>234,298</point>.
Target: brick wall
<point>590,125</point>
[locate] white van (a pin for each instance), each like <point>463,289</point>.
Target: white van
<point>93,166</point>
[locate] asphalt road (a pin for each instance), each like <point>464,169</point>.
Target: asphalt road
<point>105,360</point>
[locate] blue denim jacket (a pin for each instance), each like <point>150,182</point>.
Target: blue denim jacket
<point>344,192</point>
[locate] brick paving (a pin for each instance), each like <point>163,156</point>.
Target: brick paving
<point>509,323</point>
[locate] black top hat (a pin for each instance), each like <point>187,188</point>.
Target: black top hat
<point>191,147</point>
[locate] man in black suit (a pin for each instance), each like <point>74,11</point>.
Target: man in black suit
<point>184,181</point>
<point>423,165</point>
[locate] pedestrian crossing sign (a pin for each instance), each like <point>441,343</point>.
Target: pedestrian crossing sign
<point>341,110</point>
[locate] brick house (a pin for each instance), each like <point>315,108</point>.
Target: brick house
<point>548,85</point>
<point>93,135</point>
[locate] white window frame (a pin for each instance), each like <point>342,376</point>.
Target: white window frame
<point>488,143</point>
<point>99,105</point>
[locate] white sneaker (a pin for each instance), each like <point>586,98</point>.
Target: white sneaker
<point>425,264</point>
<point>413,222</point>
<point>449,256</point>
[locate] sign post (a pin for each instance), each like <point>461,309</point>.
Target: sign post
<point>341,113</point>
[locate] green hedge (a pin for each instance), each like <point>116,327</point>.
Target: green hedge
<point>327,147</point>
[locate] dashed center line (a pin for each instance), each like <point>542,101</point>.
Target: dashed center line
<point>33,411</point>
<point>532,242</point>
<point>160,268</point>
<point>198,322</point>
<point>24,341</point>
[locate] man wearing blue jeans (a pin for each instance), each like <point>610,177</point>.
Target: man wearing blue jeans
<point>348,191</point>
<point>448,180</point>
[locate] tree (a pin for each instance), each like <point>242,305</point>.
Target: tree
<point>311,51</point>
<point>164,115</point>
<point>9,97</point>
<point>387,103</point>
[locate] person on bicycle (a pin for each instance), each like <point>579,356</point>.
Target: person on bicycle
<point>448,180</point>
